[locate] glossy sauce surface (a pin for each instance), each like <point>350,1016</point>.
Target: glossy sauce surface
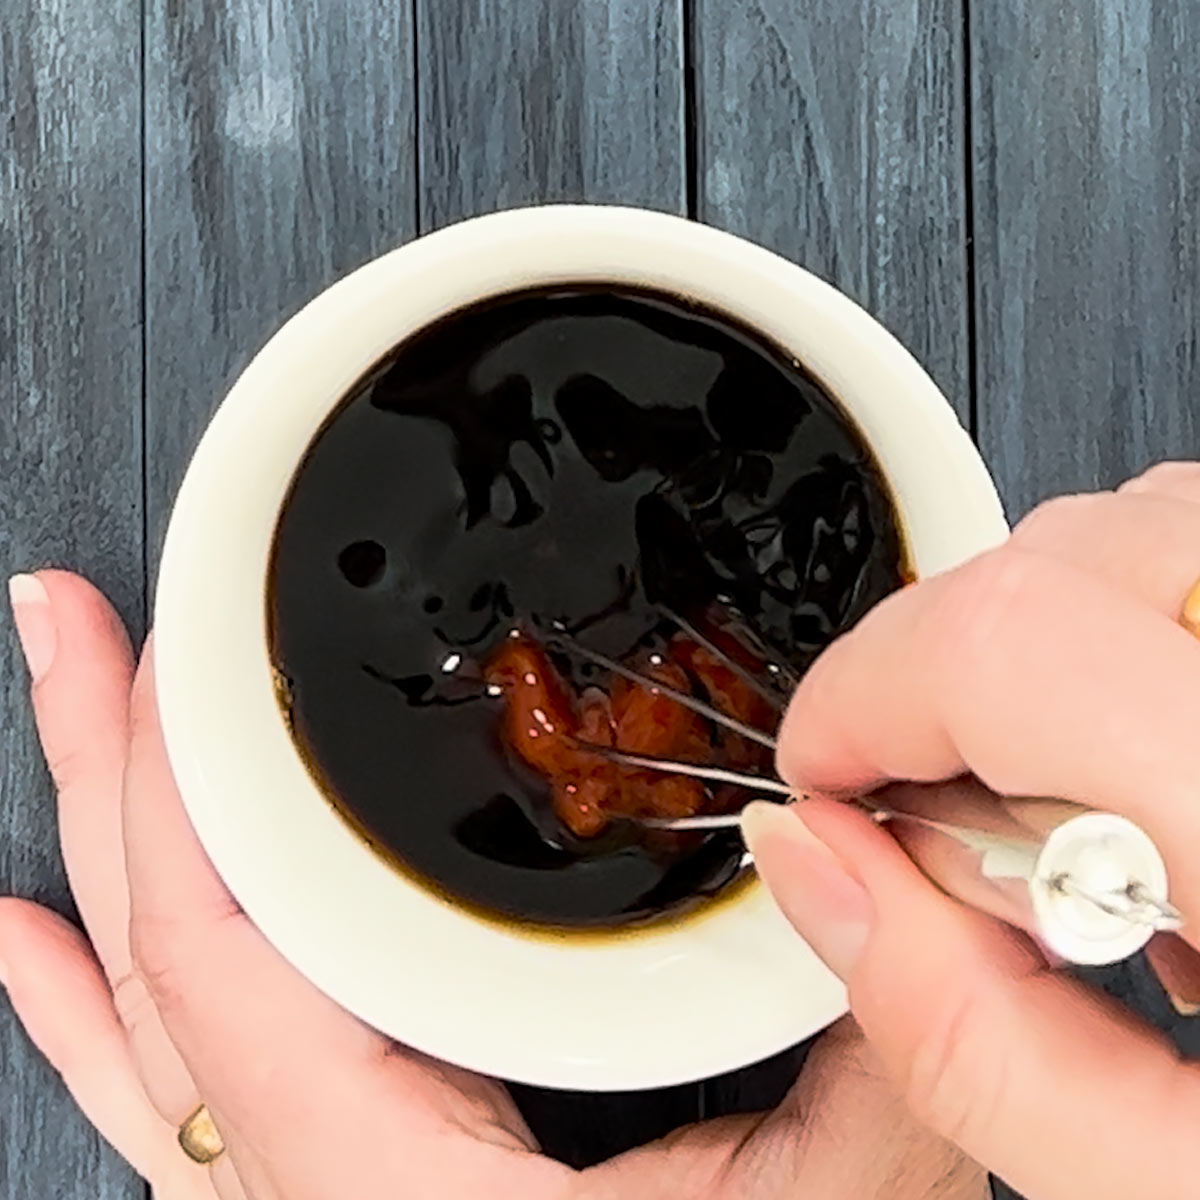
<point>605,461</point>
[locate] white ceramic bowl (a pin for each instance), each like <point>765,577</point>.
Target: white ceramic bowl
<point>679,1002</point>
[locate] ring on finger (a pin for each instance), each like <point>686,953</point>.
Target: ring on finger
<point>1189,618</point>
<point>199,1138</point>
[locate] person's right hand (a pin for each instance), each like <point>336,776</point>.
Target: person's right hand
<point>1054,666</point>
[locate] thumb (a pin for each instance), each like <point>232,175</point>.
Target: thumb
<point>1048,1084</point>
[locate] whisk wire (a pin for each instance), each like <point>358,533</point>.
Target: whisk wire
<point>1134,903</point>
<point>770,695</point>
<point>671,766</point>
<point>653,685</point>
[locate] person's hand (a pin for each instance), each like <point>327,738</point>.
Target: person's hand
<point>1054,666</point>
<point>177,999</point>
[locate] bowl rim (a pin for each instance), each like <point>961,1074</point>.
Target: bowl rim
<point>385,948</point>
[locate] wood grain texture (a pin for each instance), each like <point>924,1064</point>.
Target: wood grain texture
<point>549,100</point>
<point>834,134</point>
<point>557,100</point>
<point>280,154</point>
<point>70,461</point>
<point>1087,187</point>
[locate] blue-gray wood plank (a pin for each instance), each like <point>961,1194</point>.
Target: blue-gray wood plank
<point>549,100</point>
<point>1087,202</point>
<point>280,139</point>
<point>70,460</point>
<point>834,133</point>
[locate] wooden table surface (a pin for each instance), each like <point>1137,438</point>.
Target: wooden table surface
<point>1012,186</point>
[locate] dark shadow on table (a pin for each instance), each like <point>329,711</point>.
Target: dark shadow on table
<point>582,1128</point>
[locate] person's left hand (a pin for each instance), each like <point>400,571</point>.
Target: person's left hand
<point>177,997</point>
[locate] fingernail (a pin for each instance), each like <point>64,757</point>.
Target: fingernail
<point>1185,1008</point>
<point>830,909</point>
<point>34,619</point>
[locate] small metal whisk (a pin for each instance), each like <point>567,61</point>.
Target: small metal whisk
<point>1091,886</point>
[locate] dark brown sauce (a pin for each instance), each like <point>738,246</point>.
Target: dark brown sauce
<point>595,457</point>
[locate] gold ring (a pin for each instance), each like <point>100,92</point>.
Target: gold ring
<point>1190,617</point>
<point>199,1138</point>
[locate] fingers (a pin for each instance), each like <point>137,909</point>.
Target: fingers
<point>1026,673</point>
<point>1143,541</point>
<point>61,997</point>
<point>1178,479</point>
<point>811,1145</point>
<point>1013,1063</point>
<point>1051,667</point>
<point>82,667</point>
<point>83,670</point>
<point>1146,543</point>
<point>844,1098</point>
